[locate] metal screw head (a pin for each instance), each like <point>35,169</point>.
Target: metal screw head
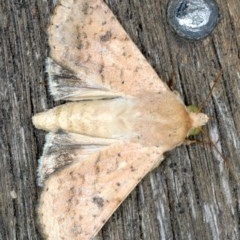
<point>192,19</point>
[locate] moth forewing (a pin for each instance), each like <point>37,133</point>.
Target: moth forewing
<point>100,148</point>
<point>80,198</point>
<point>94,46</point>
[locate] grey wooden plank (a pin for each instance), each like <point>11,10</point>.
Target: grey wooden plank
<point>194,194</point>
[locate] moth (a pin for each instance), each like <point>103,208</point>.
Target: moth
<point>118,121</point>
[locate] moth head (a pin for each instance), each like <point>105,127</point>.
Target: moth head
<point>198,120</point>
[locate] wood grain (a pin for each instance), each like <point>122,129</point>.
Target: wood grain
<point>194,194</point>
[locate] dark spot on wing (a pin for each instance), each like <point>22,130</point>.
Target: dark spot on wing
<point>106,36</point>
<point>76,229</point>
<point>104,220</point>
<point>97,169</point>
<point>86,9</point>
<point>98,201</point>
<point>132,169</point>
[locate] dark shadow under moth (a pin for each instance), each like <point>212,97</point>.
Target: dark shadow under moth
<point>119,120</point>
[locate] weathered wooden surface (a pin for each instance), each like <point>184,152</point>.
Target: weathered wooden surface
<point>194,194</point>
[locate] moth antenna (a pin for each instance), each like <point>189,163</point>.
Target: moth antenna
<point>171,81</point>
<point>211,90</point>
<point>226,161</point>
<point>211,143</point>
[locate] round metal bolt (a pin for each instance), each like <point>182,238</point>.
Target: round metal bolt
<point>192,19</point>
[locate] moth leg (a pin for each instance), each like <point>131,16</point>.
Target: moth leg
<point>171,81</point>
<point>189,142</point>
